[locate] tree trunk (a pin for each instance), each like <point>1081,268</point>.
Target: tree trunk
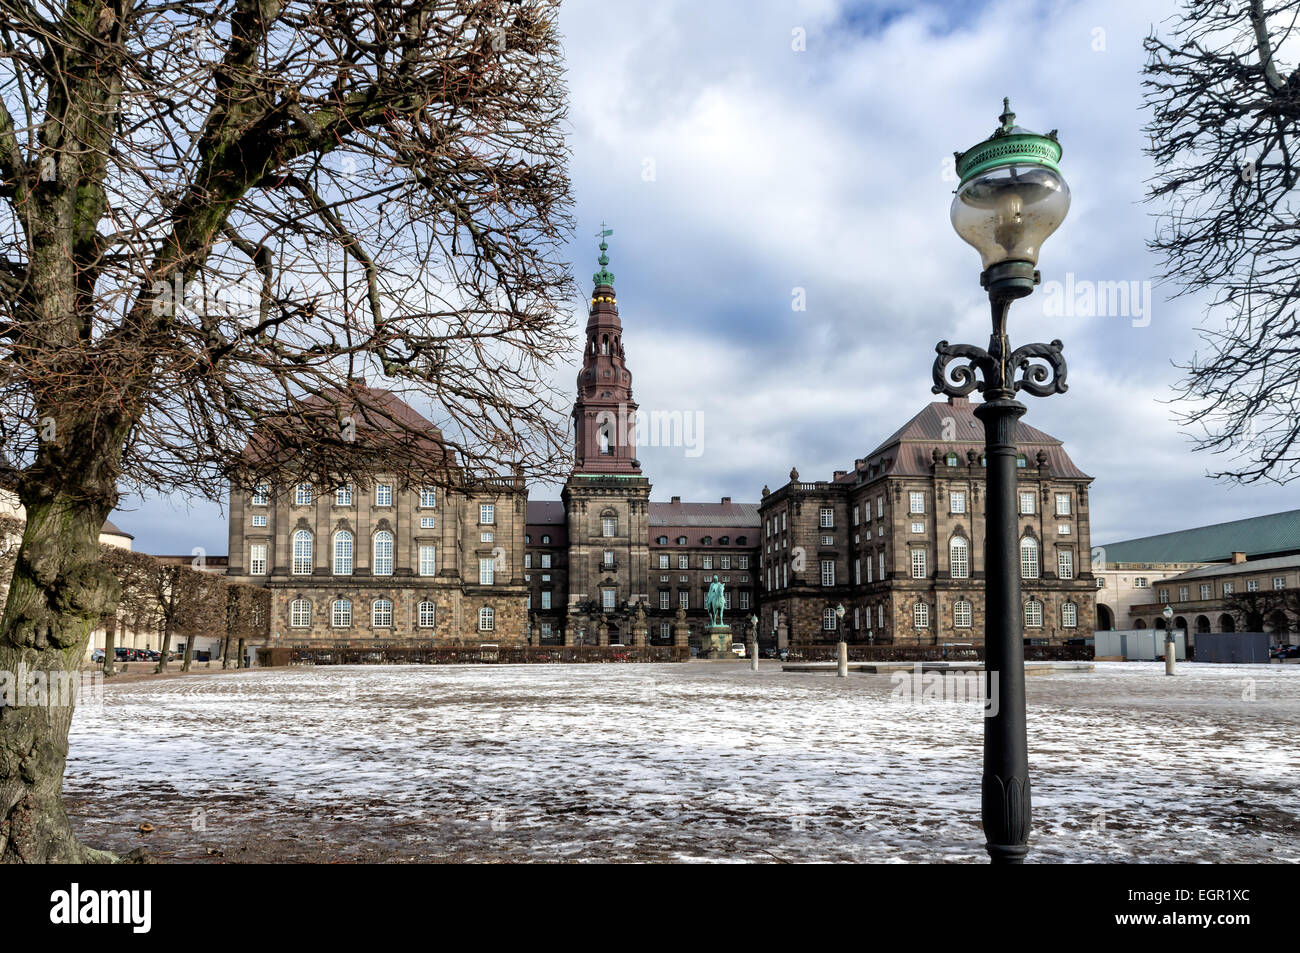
<point>166,647</point>
<point>58,592</point>
<point>189,654</point>
<point>110,646</point>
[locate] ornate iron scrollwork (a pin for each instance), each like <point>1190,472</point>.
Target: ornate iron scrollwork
<point>1037,369</point>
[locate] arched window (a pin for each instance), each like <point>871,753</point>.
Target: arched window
<point>681,540</point>
<point>381,614</point>
<point>723,540</point>
<point>342,553</point>
<point>921,615</point>
<point>1069,615</point>
<point>707,541</point>
<point>341,613</point>
<point>426,614</point>
<point>959,557</point>
<point>383,565</point>
<point>950,460</point>
<point>609,526</point>
<point>1028,558</point>
<point>961,614</point>
<point>604,344</point>
<point>662,540</point>
<point>300,613</point>
<point>1021,460</point>
<point>302,553</point>
<point>487,619</point>
<point>1033,614</point>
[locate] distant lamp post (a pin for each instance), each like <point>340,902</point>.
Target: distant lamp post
<point>841,649</point>
<point>1171,642</point>
<point>1010,198</point>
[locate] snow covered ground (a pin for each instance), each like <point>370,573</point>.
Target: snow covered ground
<point>695,762</point>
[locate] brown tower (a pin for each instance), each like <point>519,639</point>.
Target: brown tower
<point>606,499</point>
<point>604,415</point>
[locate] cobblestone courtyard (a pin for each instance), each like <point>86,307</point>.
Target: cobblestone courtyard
<point>690,762</point>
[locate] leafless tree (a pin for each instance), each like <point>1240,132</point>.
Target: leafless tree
<point>1224,112</point>
<point>134,573</point>
<point>190,603</point>
<point>215,214</point>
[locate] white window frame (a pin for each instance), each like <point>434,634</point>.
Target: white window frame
<point>383,552</point>
<point>1065,563</point>
<point>426,614</point>
<point>428,497</point>
<point>341,614</point>
<point>383,494</point>
<point>257,559</point>
<point>962,614</point>
<point>302,552</point>
<point>828,572</point>
<point>302,494</point>
<point>1030,563</point>
<point>486,571</point>
<point>957,501</point>
<point>916,501</point>
<point>300,614</point>
<point>1033,614</point>
<point>1028,502</point>
<point>381,614</point>
<point>344,553</point>
<point>487,619</point>
<point>921,615</point>
<point>428,559</point>
<point>487,514</point>
<point>959,557</point>
<point>918,564</point>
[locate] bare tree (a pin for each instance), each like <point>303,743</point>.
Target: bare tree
<point>134,573</point>
<point>215,214</point>
<point>190,603</point>
<point>1223,134</point>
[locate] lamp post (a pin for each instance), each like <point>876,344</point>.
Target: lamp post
<point>841,649</point>
<point>753,644</point>
<point>1171,642</point>
<point>1010,198</point>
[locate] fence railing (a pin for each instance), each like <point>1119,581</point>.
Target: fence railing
<point>827,652</point>
<point>481,654</point>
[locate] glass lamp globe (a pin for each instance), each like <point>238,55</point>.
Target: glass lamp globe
<point>1012,195</point>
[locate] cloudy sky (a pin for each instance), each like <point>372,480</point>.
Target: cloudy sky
<point>747,152</point>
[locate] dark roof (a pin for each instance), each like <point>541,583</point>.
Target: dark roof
<point>738,516</point>
<point>1273,534</point>
<point>111,528</point>
<point>548,512</point>
<point>952,426</point>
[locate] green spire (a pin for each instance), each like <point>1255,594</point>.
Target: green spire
<point>604,276</point>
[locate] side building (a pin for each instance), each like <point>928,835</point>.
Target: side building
<point>898,541</point>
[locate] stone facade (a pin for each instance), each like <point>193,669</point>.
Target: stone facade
<point>899,541</point>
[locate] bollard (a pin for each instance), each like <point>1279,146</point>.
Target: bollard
<point>1171,657</point>
<point>843,671</point>
<point>753,656</point>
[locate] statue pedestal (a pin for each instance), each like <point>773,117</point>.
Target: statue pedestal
<point>717,642</point>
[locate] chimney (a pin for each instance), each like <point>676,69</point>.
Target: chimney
<point>726,500</point>
<point>958,401</point>
<point>1238,558</point>
<point>677,499</point>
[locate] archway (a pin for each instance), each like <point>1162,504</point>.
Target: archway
<point>1160,623</point>
<point>1140,624</point>
<point>1202,625</point>
<point>1180,623</point>
<point>1105,619</point>
<point>1227,623</point>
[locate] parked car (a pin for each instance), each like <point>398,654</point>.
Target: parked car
<point>1286,651</point>
<point>97,655</point>
<point>738,648</point>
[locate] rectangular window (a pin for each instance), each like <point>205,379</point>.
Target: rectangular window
<point>958,502</point>
<point>918,529</point>
<point>828,572</point>
<point>918,564</point>
<point>383,494</point>
<point>607,598</point>
<point>684,599</point>
<point>744,598</point>
<point>1140,582</point>
<point>1162,595</point>
<point>706,562</point>
<point>683,562</point>
<point>259,520</point>
<point>381,615</point>
<point>961,614</point>
<point>882,565</point>
<point>856,514</point>
<point>486,536</point>
<point>1027,501</point>
<point>546,560</point>
<point>608,525</point>
<point>1229,588</point>
<point>665,599</point>
<point>528,560</point>
<point>428,560</point>
<point>1065,563</point>
<point>921,615</point>
<point>826,517</point>
<point>546,598</point>
<point>663,560</point>
<point>828,540</point>
<point>916,502</point>
<point>743,562</point>
<point>343,496</point>
<point>257,559</point>
<point>828,620</point>
<point>1279,582</point>
<point>428,522</point>
<point>880,506</point>
<point>609,559</point>
<point>260,494</point>
<point>487,619</point>
<point>487,513</point>
<point>341,617</point>
<point>869,565</point>
<point>486,571</point>
<point>1182,593</point>
<point>1252,585</point>
<point>857,571</point>
<point>300,614</point>
<point>1207,590</point>
<point>426,619</point>
<point>302,494</point>
<point>724,562</point>
<point>1063,504</point>
<point>428,497</point>
<point>1063,529</point>
<point>1069,615</point>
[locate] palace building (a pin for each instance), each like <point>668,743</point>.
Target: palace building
<point>898,541</point>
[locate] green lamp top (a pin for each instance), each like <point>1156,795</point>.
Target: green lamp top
<point>604,276</point>
<point>1009,145</point>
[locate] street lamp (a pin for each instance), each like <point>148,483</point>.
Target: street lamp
<point>1010,198</point>
<point>839,615</point>
<point>1171,643</point>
